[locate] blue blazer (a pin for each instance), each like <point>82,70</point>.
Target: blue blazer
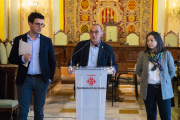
<point>103,59</point>
<point>46,58</point>
<point>166,75</point>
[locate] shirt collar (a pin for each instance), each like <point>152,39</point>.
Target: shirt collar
<point>29,36</point>
<point>94,46</point>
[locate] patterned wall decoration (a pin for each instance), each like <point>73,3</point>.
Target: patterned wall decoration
<point>132,5</point>
<point>133,15</point>
<point>104,11</point>
<point>145,20</point>
<point>70,20</point>
<point>107,15</point>
<point>84,17</point>
<point>84,28</point>
<point>85,4</point>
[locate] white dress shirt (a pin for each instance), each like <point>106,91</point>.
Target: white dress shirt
<point>34,66</point>
<point>93,55</point>
<point>154,76</point>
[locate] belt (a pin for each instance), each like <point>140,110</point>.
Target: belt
<point>34,75</point>
<point>157,85</point>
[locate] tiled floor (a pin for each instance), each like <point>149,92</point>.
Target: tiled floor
<point>61,105</point>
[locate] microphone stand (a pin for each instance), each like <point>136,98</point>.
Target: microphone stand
<point>70,67</point>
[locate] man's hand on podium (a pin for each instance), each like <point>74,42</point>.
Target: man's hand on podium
<point>114,72</point>
<point>70,71</point>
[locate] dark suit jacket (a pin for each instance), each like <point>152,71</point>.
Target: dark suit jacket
<point>104,59</point>
<point>46,58</point>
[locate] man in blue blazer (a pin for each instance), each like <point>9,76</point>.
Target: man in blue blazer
<point>36,77</point>
<point>95,51</point>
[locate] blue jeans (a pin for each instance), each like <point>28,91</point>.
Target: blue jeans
<point>38,87</point>
<point>154,95</point>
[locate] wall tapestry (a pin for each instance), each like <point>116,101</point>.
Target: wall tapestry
<point>133,15</point>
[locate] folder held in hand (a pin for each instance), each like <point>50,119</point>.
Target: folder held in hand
<point>24,48</point>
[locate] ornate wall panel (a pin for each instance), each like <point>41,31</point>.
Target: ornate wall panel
<point>145,20</point>
<point>84,16</point>
<point>70,20</point>
<point>133,15</point>
<point>107,15</point>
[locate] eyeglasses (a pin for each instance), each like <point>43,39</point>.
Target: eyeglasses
<point>38,24</point>
<point>96,32</point>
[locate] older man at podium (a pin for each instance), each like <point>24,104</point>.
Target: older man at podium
<point>93,52</point>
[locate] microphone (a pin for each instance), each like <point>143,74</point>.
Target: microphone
<point>106,53</point>
<point>77,52</point>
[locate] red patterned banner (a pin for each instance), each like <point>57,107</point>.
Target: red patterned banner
<point>107,15</point>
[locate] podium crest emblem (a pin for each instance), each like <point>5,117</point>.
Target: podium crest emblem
<point>91,81</point>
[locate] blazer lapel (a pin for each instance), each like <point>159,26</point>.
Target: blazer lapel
<point>146,62</point>
<point>101,50</point>
<point>41,45</point>
<point>86,54</point>
<point>24,37</point>
<point>163,60</point>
